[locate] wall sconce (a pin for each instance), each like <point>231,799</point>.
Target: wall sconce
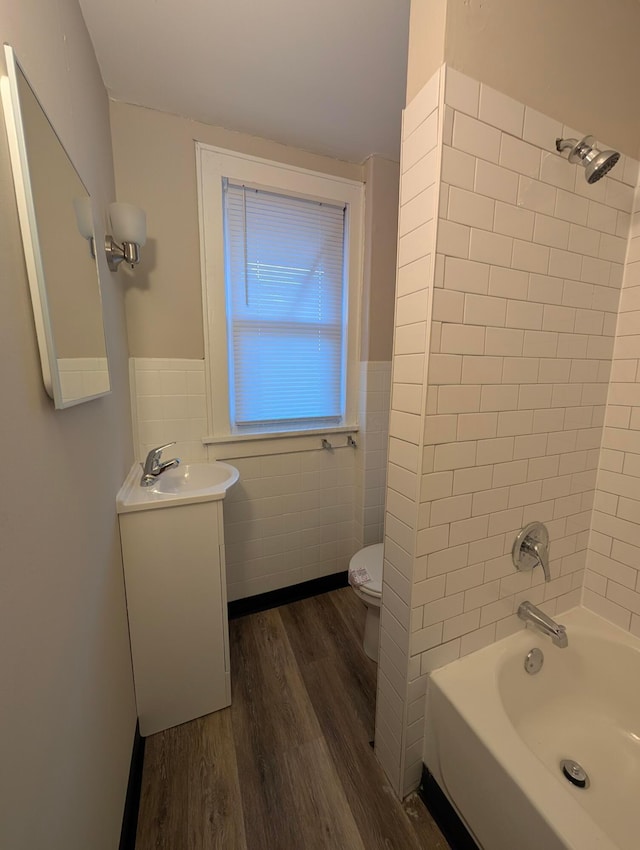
<point>84,220</point>
<point>129,226</point>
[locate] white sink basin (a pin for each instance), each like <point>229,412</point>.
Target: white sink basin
<point>180,485</point>
<point>195,479</point>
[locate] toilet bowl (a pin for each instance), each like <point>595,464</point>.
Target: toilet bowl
<point>370,593</point>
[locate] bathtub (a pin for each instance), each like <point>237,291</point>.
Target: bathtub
<point>495,736</point>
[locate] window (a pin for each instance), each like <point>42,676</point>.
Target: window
<point>282,269</point>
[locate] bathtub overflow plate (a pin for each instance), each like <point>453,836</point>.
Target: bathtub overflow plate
<point>534,661</point>
<point>575,773</point>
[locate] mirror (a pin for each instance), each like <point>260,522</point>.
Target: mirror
<point>55,209</point>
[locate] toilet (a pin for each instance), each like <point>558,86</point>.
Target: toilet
<point>370,593</point>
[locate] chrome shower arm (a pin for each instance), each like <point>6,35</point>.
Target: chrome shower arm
<point>565,144</point>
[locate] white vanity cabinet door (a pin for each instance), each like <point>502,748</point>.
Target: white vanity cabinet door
<point>177,608</point>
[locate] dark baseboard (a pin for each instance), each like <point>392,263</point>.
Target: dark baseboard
<point>132,801</point>
<point>443,813</point>
<point>285,595</point>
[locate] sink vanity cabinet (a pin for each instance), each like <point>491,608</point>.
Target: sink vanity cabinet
<point>173,553</point>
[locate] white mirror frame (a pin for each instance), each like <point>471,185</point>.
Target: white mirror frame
<point>28,226</point>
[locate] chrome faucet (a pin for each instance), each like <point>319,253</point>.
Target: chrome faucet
<point>153,467</point>
<point>530,614</point>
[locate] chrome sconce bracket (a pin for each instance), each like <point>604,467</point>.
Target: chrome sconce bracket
<point>127,234</point>
<point>129,252</point>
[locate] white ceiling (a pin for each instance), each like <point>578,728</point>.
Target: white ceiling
<point>324,75</point>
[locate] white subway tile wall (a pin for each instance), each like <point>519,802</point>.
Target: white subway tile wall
<point>612,579</point>
<point>401,688</point>
<point>525,287</point>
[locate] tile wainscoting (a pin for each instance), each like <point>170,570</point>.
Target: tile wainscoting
<point>168,402</point>
<point>289,519</point>
<point>83,376</point>
<point>294,515</point>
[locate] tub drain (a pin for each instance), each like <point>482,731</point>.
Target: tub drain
<point>575,773</point>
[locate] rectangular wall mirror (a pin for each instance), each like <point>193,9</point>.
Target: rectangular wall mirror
<point>55,211</point>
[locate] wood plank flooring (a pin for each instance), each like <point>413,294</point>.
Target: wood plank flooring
<point>288,766</point>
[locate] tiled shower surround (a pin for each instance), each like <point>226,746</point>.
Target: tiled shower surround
<point>294,515</point>
<point>612,579</point>
<point>510,268</point>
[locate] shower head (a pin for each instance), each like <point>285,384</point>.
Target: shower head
<point>596,162</point>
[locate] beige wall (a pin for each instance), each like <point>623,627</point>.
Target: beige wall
<point>67,705</point>
<point>576,61</point>
<point>155,167</point>
<point>427,21</point>
<point>381,228</point>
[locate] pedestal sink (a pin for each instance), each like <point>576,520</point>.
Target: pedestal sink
<point>172,537</point>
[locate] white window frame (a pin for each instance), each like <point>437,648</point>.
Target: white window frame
<point>213,164</point>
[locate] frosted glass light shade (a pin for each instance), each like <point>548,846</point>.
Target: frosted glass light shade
<point>128,223</point>
<point>84,216</point>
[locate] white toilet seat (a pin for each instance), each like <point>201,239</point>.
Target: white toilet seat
<point>370,558</point>
<point>370,593</point>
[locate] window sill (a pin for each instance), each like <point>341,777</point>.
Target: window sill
<point>279,442</point>
<point>278,435</point>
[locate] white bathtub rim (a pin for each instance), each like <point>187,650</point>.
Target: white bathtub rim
<point>546,792</point>
<point>486,716</point>
<point>548,801</point>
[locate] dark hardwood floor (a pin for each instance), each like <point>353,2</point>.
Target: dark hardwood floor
<point>288,766</point>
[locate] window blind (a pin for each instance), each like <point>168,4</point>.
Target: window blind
<point>286,310</point>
